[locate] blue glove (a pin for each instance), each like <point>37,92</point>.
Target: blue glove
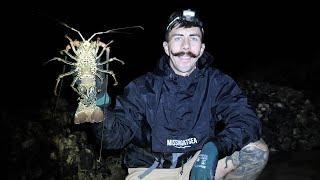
<point>205,166</point>
<point>103,99</point>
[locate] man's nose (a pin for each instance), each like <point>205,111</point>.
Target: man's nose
<point>186,44</point>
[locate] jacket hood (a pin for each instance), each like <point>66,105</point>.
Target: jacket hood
<point>163,66</point>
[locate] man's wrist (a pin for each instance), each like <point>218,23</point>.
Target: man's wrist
<point>103,100</point>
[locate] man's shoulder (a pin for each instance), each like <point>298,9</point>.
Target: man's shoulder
<point>216,73</point>
<point>219,76</point>
<point>146,81</point>
<point>145,78</point>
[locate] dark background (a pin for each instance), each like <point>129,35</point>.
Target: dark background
<point>269,42</point>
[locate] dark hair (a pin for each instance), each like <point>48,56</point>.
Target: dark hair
<point>183,18</point>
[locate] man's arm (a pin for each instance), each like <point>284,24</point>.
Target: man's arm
<point>241,125</point>
<point>121,122</point>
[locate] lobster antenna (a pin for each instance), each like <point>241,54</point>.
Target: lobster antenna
<point>64,24</point>
<point>116,29</point>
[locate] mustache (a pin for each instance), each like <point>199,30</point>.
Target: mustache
<point>181,53</point>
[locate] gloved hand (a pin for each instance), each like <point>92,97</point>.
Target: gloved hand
<point>103,99</point>
<point>205,166</point>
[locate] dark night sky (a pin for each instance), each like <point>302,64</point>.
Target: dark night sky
<point>267,41</point>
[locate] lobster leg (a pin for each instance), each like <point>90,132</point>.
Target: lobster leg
<point>110,60</point>
<point>70,55</point>
<point>62,60</point>
<point>60,77</point>
<point>111,73</point>
<point>75,89</point>
<point>72,43</point>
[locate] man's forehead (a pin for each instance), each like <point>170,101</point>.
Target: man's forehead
<point>185,31</point>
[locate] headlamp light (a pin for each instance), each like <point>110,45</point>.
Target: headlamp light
<point>187,15</point>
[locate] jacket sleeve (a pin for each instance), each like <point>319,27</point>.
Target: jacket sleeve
<point>241,125</point>
<point>121,122</point>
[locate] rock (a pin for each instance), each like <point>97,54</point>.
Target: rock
<point>290,121</point>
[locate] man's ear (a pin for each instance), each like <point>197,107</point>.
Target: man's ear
<point>203,46</point>
<point>166,47</point>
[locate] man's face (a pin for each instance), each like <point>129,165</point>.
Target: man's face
<point>184,47</point>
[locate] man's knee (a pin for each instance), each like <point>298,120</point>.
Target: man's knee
<point>256,153</point>
<point>252,160</point>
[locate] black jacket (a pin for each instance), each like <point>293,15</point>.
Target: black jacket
<point>161,113</point>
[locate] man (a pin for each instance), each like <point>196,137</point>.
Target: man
<point>167,119</point>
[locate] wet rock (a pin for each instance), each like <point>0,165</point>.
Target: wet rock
<point>290,121</point>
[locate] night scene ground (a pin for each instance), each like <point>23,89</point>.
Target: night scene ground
<point>271,49</point>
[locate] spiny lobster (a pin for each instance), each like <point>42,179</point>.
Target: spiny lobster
<point>87,66</point>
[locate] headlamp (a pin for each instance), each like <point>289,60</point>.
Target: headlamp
<point>187,15</point>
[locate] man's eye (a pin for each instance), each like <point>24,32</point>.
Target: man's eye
<point>177,38</point>
<point>194,38</point>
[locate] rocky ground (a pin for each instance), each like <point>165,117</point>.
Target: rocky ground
<point>46,145</point>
